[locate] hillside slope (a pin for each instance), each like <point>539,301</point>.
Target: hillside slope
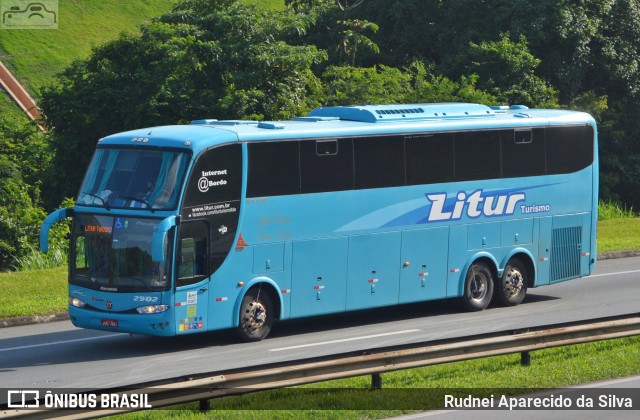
<point>36,56</point>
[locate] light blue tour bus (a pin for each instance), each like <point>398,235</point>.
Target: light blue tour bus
<point>238,224</point>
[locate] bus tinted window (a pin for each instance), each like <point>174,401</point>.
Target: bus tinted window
<point>523,153</point>
<point>289,167</point>
<point>569,149</point>
<point>477,155</point>
<point>327,165</point>
<point>274,169</point>
<point>379,162</point>
<point>429,159</point>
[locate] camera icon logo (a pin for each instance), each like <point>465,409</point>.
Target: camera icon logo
<point>29,14</point>
<point>23,399</point>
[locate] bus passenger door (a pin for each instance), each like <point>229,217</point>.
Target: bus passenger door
<point>424,264</point>
<point>192,282</point>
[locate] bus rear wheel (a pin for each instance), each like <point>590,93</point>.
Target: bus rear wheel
<point>512,287</point>
<point>478,287</point>
<point>256,315</point>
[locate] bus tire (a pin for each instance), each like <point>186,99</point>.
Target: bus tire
<point>256,315</point>
<point>478,287</point>
<point>512,286</point>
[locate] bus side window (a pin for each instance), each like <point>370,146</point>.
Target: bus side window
<point>192,252</point>
<point>326,165</point>
<point>379,162</point>
<point>569,149</point>
<point>429,158</point>
<point>523,153</point>
<point>274,169</point>
<point>477,155</point>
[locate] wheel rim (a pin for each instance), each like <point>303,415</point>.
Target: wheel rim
<point>255,316</point>
<point>479,287</point>
<point>513,282</point>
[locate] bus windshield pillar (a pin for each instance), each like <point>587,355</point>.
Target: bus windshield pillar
<point>158,242</point>
<point>48,222</point>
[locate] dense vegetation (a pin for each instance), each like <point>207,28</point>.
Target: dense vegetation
<point>237,59</point>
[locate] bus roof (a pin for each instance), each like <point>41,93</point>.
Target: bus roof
<point>331,122</point>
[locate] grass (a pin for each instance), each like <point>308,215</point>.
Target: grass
<point>34,292</point>
<point>608,210</point>
<point>618,235</point>
<point>618,228</point>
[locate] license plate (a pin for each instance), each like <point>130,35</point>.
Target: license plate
<point>109,323</point>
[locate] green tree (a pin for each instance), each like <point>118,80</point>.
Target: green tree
<point>24,158</point>
<point>335,27</point>
<point>352,35</point>
<point>346,85</point>
<point>27,150</point>
<point>507,70</point>
<point>19,217</point>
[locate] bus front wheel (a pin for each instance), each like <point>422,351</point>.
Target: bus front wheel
<point>478,287</point>
<point>256,315</point>
<point>512,287</point>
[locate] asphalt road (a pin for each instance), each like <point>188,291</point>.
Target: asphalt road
<point>57,355</point>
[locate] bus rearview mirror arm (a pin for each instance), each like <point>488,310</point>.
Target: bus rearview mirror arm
<point>158,249</point>
<point>54,217</point>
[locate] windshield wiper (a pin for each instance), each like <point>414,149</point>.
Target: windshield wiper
<point>139,200</point>
<point>104,202</point>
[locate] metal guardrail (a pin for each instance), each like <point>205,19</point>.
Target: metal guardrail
<point>372,362</point>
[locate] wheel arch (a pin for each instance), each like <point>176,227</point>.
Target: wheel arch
<point>527,259</point>
<point>484,257</point>
<point>265,284</point>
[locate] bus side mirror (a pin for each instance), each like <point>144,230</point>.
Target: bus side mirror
<point>159,239</point>
<point>48,222</point>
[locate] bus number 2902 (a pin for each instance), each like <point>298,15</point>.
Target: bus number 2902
<point>145,298</point>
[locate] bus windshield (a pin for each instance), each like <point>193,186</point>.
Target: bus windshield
<point>134,178</point>
<point>114,254</point>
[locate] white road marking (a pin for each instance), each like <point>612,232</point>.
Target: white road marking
<point>53,343</point>
<point>614,274</point>
<point>344,340</point>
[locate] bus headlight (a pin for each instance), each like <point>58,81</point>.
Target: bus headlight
<point>152,309</point>
<point>74,301</point>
